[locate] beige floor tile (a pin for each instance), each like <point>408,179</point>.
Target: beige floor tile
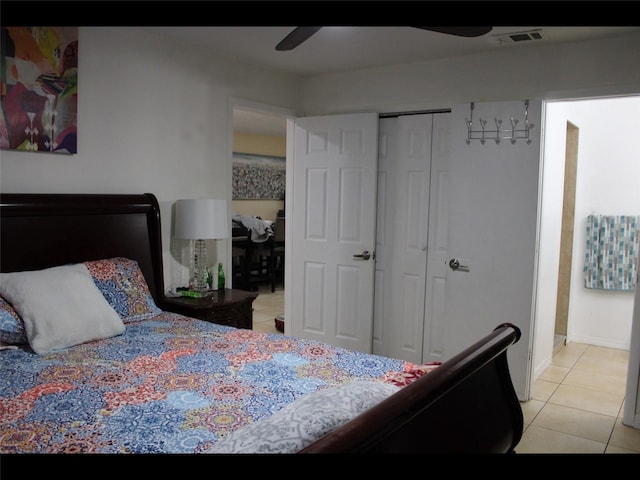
<point>530,409</point>
<point>266,307</point>
<point>262,317</point>
<point>575,348</point>
<point>605,366</point>
<point>554,373</point>
<point>589,400</point>
<point>617,450</point>
<point>542,390</point>
<point>569,355</point>
<point>573,421</point>
<point>605,353</point>
<point>268,302</point>
<point>543,440</point>
<point>267,310</point>
<point>585,378</point>
<point>625,437</point>
<point>266,328</point>
<point>265,319</point>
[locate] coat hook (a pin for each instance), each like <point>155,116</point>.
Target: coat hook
<point>498,134</point>
<point>483,123</point>
<point>498,124</point>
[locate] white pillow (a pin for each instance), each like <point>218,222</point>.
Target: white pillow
<point>60,307</point>
<point>305,420</point>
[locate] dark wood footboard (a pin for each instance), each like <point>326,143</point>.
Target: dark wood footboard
<point>467,405</point>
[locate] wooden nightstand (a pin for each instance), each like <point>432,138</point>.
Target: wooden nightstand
<point>225,307</point>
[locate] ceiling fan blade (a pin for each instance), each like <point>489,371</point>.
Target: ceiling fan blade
<point>296,37</point>
<point>460,31</point>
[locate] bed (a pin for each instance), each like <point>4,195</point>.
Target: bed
<point>154,381</point>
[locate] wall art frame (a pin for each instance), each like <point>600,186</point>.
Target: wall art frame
<point>39,89</point>
<point>258,177</point>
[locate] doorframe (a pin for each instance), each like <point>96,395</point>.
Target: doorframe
<point>238,103</point>
<point>631,416</point>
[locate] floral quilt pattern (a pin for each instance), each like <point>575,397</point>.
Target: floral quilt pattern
<point>169,384</point>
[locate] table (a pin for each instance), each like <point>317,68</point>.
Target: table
<point>231,307</point>
<point>248,248</point>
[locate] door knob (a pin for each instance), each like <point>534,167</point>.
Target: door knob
<point>364,255</point>
<point>454,264</point>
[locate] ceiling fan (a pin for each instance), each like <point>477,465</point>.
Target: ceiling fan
<point>300,34</point>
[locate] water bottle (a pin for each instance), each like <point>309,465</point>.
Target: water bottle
<point>220,277</point>
<point>208,278</point>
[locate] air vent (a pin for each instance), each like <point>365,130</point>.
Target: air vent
<point>518,37</point>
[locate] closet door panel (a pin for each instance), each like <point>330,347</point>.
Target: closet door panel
<point>409,236</point>
<point>412,236</point>
<point>387,139</point>
<point>438,240</point>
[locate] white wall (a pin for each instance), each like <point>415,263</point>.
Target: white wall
<point>152,117</point>
<point>607,182</point>
<point>606,66</point>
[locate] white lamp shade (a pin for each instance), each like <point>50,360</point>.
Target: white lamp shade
<point>202,218</point>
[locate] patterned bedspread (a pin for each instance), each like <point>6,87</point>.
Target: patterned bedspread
<point>169,384</point>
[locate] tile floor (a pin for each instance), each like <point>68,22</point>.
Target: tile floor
<point>266,307</point>
<point>576,404</point>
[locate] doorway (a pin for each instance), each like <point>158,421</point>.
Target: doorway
<point>257,131</point>
<point>605,182</point>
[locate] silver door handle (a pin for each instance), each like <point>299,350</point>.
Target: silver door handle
<point>454,263</point>
<point>364,255</point>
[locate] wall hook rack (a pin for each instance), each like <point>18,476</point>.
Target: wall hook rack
<point>512,134</point>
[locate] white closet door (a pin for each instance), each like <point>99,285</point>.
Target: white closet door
<point>385,223</point>
<point>403,203</point>
<point>493,215</point>
<point>438,240</point>
<point>476,203</point>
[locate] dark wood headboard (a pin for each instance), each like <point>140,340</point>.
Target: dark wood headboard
<point>45,230</point>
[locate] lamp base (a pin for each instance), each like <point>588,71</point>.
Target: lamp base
<point>199,266</point>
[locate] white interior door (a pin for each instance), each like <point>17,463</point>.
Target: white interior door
<point>385,224</point>
<point>411,252</point>
<point>333,217</point>
<point>403,196</point>
<point>493,208</point>
<point>437,241</point>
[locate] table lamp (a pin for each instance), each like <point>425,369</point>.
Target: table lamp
<point>200,220</point>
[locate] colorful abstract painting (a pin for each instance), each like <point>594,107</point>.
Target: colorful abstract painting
<point>39,69</point>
